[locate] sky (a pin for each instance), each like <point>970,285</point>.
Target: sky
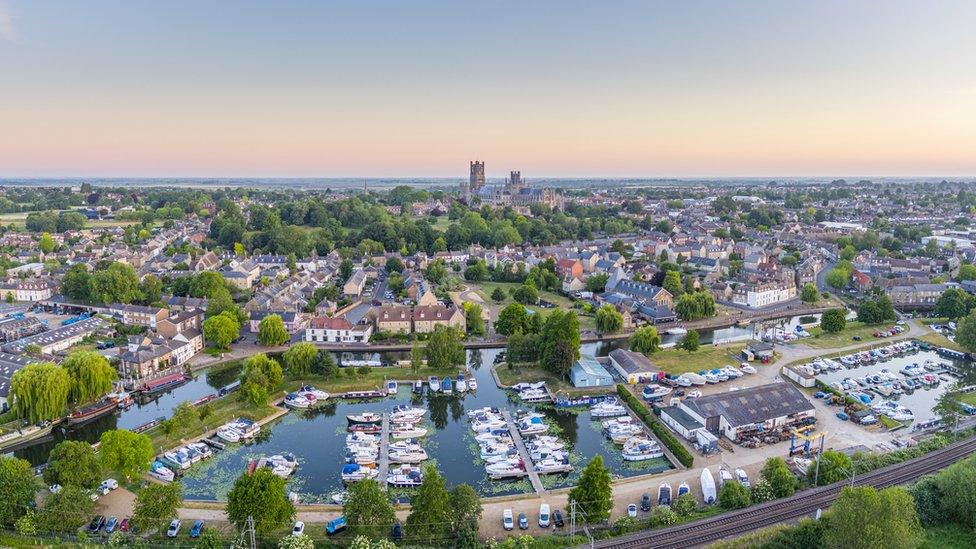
<point>554,88</point>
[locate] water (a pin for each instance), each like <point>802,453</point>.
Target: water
<point>317,439</point>
<point>921,401</point>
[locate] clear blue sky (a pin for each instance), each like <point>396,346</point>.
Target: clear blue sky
<point>555,88</point>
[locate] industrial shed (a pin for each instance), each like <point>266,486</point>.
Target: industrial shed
<point>753,410</point>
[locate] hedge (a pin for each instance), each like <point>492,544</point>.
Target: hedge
<point>659,429</point>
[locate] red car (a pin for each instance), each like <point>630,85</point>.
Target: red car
<point>124,525</point>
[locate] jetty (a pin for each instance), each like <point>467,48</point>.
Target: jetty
<point>384,464</point>
<point>524,454</point>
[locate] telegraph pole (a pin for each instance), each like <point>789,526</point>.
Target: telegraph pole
<point>247,535</point>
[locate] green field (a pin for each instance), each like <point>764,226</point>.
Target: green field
<point>707,357</point>
<point>484,289</point>
<point>845,337</point>
<point>531,373</point>
<point>968,398</point>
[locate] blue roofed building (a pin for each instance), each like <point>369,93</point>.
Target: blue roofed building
<point>588,372</point>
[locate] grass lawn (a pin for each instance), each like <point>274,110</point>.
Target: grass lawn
<point>223,411</point>
<point>531,374</point>
<point>968,398</point>
<point>889,423</point>
<point>949,536</point>
<point>677,361</point>
<point>941,341</point>
<point>442,223</point>
<point>843,338</point>
<point>373,380</point>
<point>484,289</point>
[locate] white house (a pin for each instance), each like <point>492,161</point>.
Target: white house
<point>325,329</point>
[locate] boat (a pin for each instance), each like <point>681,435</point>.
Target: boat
<point>695,379</point>
<point>163,383</point>
<point>664,494</point>
<point>434,383</point>
<point>532,426</point>
<point>405,477</point>
<point>352,472</point>
<point>363,395</point>
<point>365,428</point>
<point>281,465</point>
<point>92,411</point>
<point>408,456</point>
<point>506,469</point>
<point>683,489</point>
<point>361,439</point>
<point>610,408</point>
<point>247,428</point>
<point>472,384</point>
<point>160,471</point>
<point>297,401</point>
<point>523,386</point>
<point>641,448</point>
<point>654,392</point>
<point>178,459</point>
<point>391,387</point>
<point>25,434</point>
<point>676,331</point>
<point>553,465</point>
<point>418,386</point>
<point>712,378</point>
<point>461,384</point>
<point>707,487</point>
<point>446,386</point>
<point>681,381</point>
<point>367,418</point>
<point>200,450</point>
<point>408,432</point>
<point>340,498</point>
<point>311,390</point>
<point>228,433</point>
<point>723,476</point>
<point>530,395</point>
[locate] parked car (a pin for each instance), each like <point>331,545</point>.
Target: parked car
<point>54,488</point>
<point>111,524</point>
<point>197,529</point>
<point>646,502</point>
<point>397,533</point>
<point>632,510</point>
<point>109,484</point>
<point>124,525</point>
<point>507,522</point>
<point>544,516</point>
<point>96,524</point>
<point>557,518</point>
<point>298,529</point>
<point>523,522</point>
<point>842,416</point>
<point>174,528</point>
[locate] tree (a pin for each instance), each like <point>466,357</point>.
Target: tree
<point>260,495</point>
<point>761,491</point>
<point>473,319</point>
<point>73,463</point>
<point>221,330</point>
<point>156,505</point>
<point>299,359</point>
<point>325,365</point>
<point>151,288</point>
<point>596,283</point>
<point>833,321</point>
<point>208,284</point>
<point>838,277</point>
<point>834,466</point>
<point>645,340</point>
<point>690,342</point>
<point>46,243</point>
<point>809,293</point>
<point>685,505</point>
<point>465,504</point>
<point>17,486</point>
<point>272,332</point>
<point>672,283</point>
<point>608,320</point>
<point>301,541</point>
<point>559,342</point>
<point>185,419</point>
<point>957,485</point>
<point>264,370</point>
<point>526,294</point>
<point>513,319</point>
<point>430,509</point>
<point>733,496</point>
<point>345,269</point>
<point>966,332</point>
<point>223,303</point>
<point>65,512</point>
<point>594,492</point>
<point>778,475</point>
<point>126,452</point>
<point>865,517</point>
<point>498,294</point>
<point>954,303</point>
<point>444,349</point>
<point>91,375</point>
<point>948,407</point>
<point>967,271</point>
<point>477,272</point>
<point>40,391</point>
<point>118,283</point>
<point>662,515</point>
<point>876,310</point>
<point>368,510</point>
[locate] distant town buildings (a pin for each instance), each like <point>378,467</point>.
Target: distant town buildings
<point>514,192</point>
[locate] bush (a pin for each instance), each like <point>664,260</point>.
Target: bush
<point>733,496</point>
<point>662,515</point>
<point>685,505</point>
<point>658,428</point>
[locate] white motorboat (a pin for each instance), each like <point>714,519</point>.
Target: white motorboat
<point>392,387</point>
<point>533,426</point>
<point>505,469</point>
<point>655,391</point>
<point>712,378</point>
<point>161,472</point>
<point>747,368</point>
<point>723,476</point>
<point>682,381</point>
<point>664,494</point>
<point>358,439</point>
<point>201,449</point>
<point>511,455</point>
<point>533,394</point>
<point>340,498</point>
<point>640,449</point>
<point>553,465</point>
<point>707,486</point>
<point>676,331</point>
<point>352,472</point>
<point>229,434</point>
<point>297,401</point>
<point>741,476</point>
<point>695,379</point>
<point>683,489</point>
<point>607,424</point>
<point>607,409</point>
<point>622,433</point>
<point>472,384</point>
<point>410,444</point>
<point>319,394</point>
<point>408,456</point>
<point>365,418</point>
<point>408,431</point>
<point>487,426</point>
<point>405,477</point>
<point>526,386</point>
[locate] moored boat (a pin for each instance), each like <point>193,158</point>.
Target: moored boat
<point>92,411</point>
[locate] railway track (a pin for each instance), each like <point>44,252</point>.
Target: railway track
<point>705,531</point>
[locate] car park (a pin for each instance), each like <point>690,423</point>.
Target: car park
<point>197,529</point>
<point>174,528</point>
<point>507,522</point>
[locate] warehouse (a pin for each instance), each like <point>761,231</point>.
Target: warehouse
<point>753,410</point>
<point>587,372</point>
<point>634,367</point>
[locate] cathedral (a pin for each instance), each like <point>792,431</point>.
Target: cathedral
<point>514,192</point>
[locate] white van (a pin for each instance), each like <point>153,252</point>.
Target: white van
<point>544,516</point>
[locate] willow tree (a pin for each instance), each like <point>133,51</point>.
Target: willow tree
<point>40,391</point>
<point>91,375</point>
